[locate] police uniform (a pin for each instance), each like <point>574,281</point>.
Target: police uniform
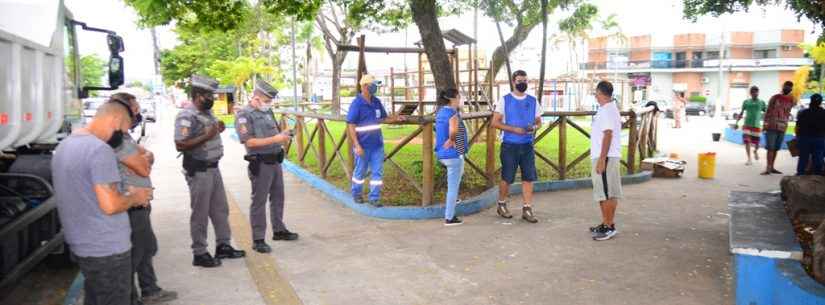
<point>264,169</point>
<point>206,190</point>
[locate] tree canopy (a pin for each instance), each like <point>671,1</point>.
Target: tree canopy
<point>811,9</point>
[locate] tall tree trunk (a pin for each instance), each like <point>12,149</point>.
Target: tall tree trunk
<point>500,56</point>
<point>425,16</point>
<point>337,62</point>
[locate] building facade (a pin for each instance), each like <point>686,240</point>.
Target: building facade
<point>658,65</point>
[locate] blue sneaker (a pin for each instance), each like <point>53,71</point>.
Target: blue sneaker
<point>376,203</point>
<point>605,233</point>
<point>358,199</point>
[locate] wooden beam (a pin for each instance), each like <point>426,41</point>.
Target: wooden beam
<point>322,148</point>
<point>632,144</point>
<point>428,171</point>
<point>352,48</point>
<point>403,142</point>
<point>404,175</point>
<point>562,147</point>
<point>490,162</point>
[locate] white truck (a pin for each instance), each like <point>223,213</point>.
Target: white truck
<point>40,101</point>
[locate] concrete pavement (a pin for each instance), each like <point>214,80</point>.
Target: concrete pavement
<point>672,247</point>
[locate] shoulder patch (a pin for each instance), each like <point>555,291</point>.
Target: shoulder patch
<point>185,123</point>
<point>242,120</point>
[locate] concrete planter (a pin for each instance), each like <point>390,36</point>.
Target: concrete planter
<point>466,207</point>
<point>766,255</point>
<point>735,136</point>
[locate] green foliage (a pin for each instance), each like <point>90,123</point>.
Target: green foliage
<point>527,12</point>
<point>92,69</point>
<point>240,70</point>
<point>219,15</point>
<point>698,99</point>
<point>812,9</point>
<point>348,92</point>
<point>581,21</point>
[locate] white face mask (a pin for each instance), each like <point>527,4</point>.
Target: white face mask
<point>264,106</point>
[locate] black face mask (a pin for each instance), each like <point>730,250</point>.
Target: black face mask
<point>521,87</point>
<point>116,139</point>
<point>208,103</point>
<point>136,121</point>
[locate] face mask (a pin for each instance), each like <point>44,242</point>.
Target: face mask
<point>786,91</point>
<point>208,102</point>
<point>373,88</point>
<point>136,121</point>
<point>116,139</point>
<point>521,87</point>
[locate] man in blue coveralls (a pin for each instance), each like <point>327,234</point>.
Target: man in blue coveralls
<point>364,119</point>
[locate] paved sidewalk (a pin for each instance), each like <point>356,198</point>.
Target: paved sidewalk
<point>672,248</point>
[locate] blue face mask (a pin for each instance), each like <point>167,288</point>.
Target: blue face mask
<point>372,88</point>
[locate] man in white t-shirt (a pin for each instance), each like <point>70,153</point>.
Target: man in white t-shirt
<point>606,155</point>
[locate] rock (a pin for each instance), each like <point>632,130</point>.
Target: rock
<point>818,265</point>
<point>805,197</point>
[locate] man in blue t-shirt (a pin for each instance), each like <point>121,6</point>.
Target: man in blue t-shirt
<point>517,115</point>
<point>364,119</point>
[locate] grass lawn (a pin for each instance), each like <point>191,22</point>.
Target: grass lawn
<point>399,191</point>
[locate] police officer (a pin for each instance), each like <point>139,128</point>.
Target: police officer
<point>263,139</point>
<point>197,135</point>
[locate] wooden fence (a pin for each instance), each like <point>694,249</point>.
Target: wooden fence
<point>642,127</point>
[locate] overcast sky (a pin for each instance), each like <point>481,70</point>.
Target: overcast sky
<point>657,17</point>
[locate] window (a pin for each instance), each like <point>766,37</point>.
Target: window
<point>712,55</point>
<point>769,53</point>
<point>69,56</point>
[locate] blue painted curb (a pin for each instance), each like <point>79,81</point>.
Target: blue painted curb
<point>73,294</point>
<point>466,207</point>
<point>765,281</point>
<point>735,136</point>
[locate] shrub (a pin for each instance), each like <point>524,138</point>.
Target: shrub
<point>698,99</point>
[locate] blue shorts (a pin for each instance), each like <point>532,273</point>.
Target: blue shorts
<point>514,156</point>
<point>774,140</point>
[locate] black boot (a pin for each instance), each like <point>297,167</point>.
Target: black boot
<point>261,246</point>
<point>226,251</point>
<point>205,260</point>
<point>284,235</point>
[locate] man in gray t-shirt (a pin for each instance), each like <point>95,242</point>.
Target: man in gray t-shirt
<point>91,208</point>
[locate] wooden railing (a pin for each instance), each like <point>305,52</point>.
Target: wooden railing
<point>642,127</point>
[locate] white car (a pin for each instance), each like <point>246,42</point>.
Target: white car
<point>90,106</point>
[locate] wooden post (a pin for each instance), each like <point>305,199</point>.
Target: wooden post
<point>322,147</point>
<point>562,147</point>
<point>421,89</point>
<point>632,144</point>
<point>299,137</point>
<point>490,164</point>
<point>392,89</point>
<point>406,84</point>
<point>428,170</point>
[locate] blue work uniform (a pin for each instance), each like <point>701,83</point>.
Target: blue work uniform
<point>367,117</point>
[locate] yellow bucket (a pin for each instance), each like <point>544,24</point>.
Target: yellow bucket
<point>707,165</point>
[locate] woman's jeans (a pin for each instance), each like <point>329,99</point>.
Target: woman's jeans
<point>810,148</point>
<point>455,169</point>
